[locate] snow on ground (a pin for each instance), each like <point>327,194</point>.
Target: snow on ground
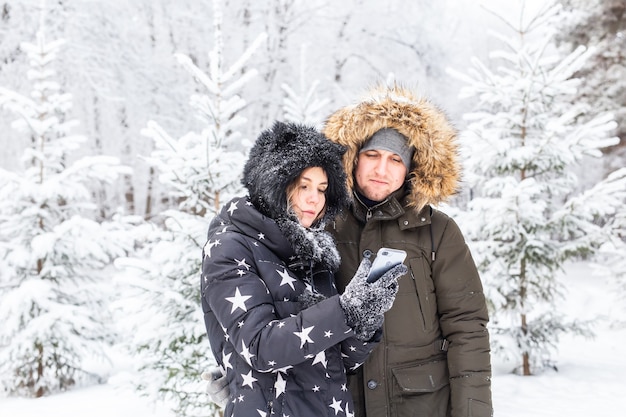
<point>590,380</point>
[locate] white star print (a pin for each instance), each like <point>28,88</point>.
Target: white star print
<point>233,207</point>
<point>286,279</point>
<point>348,413</point>
<point>281,324</point>
<point>239,301</point>
<point>320,358</point>
<point>356,366</point>
<point>242,263</point>
<point>328,334</point>
<point>224,229</point>
<point>208,246</point>
<point>280,385</point>
<point>248,379</point>
<point>261,413</point>
<point>261,236</point>
<point>246,353</point>
<point>226,360</point>
<point>336,405</point>
<point>316,389</point>
<point>304,335</point>
<point>240,398</point>
<point>241,272</point>
<point>344,388</point>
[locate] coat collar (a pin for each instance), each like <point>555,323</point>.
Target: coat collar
<point>396,207</point>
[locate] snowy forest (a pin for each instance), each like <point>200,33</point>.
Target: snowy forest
<point>125,125</point>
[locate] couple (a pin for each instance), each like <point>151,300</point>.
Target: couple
<point>295,330</point>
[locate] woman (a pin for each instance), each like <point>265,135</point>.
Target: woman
<point>276,324</point>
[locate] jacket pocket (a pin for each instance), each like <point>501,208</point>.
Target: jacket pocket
<point>479,408</point>
<point>422,378</point>
<point>421,389</point>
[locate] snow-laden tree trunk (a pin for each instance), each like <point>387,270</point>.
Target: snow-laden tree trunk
<point>302,105</point>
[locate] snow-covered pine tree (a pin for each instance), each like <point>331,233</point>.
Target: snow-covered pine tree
<point>53,250</point>
<point>523,142</point>
<point>603,24</point>
<point>303,106</point>
<point>202,171</point>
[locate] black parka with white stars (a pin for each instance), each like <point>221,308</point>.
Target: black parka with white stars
<point>284,354</point>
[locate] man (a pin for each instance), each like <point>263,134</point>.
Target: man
<point>434,359</point>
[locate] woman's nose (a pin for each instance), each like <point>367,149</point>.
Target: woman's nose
<point>312,197</point>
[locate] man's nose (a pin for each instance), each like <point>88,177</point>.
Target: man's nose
<point>381,166</point>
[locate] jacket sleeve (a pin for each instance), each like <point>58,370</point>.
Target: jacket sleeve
<point>463,317</point>
<point>355,351</point>
<point>237,292</point>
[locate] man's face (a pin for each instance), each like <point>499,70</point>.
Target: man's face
<point>379,173</point>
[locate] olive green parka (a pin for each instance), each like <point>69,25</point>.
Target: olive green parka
<point>434,359</point>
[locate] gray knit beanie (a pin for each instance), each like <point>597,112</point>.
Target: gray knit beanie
<point>391,140</point>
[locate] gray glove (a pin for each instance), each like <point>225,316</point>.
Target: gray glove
<point>365,304</point>
<point>217,387</point>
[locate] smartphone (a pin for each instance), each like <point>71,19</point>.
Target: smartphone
<point>386,258</point>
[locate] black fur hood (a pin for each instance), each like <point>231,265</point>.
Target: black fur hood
<point>278,157</point>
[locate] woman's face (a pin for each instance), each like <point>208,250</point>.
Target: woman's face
<point>309,195</point>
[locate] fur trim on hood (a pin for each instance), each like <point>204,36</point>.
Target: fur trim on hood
<point>279,156</point>
<point>435,171</point>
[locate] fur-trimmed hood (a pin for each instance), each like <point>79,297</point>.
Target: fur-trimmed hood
<point>435,171</point>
